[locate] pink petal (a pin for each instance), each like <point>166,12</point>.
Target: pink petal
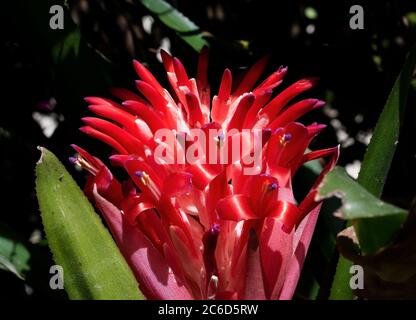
<point>275,248</point>
<point>156,279</point>
<point>302,239</point>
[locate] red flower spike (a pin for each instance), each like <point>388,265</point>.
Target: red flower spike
<point>277,104</point>
<point>253,74</point>
<point>154,97</point>
<point>202,76</point>
<point>104,138</point>
<point>124,94</point>
<point>205,226</point>
<point>272,81</point>
<point>146,76</point>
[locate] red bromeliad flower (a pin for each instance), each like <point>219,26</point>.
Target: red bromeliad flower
<point>206,230</point>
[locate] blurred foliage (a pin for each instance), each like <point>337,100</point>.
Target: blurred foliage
<point>46,73</point>
<point>14,254</point>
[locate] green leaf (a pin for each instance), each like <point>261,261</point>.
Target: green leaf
<point>357,201</point>
<point>176,21</point>
<point>379,156</point>
<point>93,266</point>
<point>374,233</point>
<point>68,47</point>
<point>14,254</point>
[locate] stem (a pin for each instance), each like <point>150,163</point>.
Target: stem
<point>341,289</point>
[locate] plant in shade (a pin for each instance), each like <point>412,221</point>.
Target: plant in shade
<point>207,228</point>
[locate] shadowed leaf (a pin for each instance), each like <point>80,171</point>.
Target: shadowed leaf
<point>176,21</point>
<point>379,155</point>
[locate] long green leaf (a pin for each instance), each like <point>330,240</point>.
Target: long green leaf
<point>93,266</point>
<point>380,153</point>
<point>373,175</point>
<point>176,21</point>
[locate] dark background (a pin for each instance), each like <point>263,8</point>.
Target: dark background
<point>48,72</point>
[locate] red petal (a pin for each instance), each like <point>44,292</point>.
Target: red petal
<point>225,86</point>
<point>147,113</point>
<point>332,152</point>
<point>253,74</point>
<point>167,60</point>
<point>180,72</point>
<point>202,174</point>
<point>309,202</point>
<point>195,114</point>
<point>294,112</point>
<point>176,184</point>
<point>261,99</point>
<point>154,97</point>
<point>122,117</point>
<point>152,188</point>
<point>220,107</point>
<point>204,90</point>
<point>202,74</point>
<point>134,206</point>
<point>90,159</point>
<point>129,142</point>
<point>101,101</point>
<point>273,80</point>
<point>262,190</point>
<point>287,213</point>
<point>240,112</point>
<point>124,94</point>
<point>274,107</point>
<point>218,188</point>
<point>147,76</point>
<point>104,138</point>
<point>236,208</point>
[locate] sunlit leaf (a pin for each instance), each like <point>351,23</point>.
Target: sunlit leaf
<point>358,203</point>
<point>93,266</point>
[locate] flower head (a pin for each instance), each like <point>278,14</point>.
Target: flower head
<point>207,212</point>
